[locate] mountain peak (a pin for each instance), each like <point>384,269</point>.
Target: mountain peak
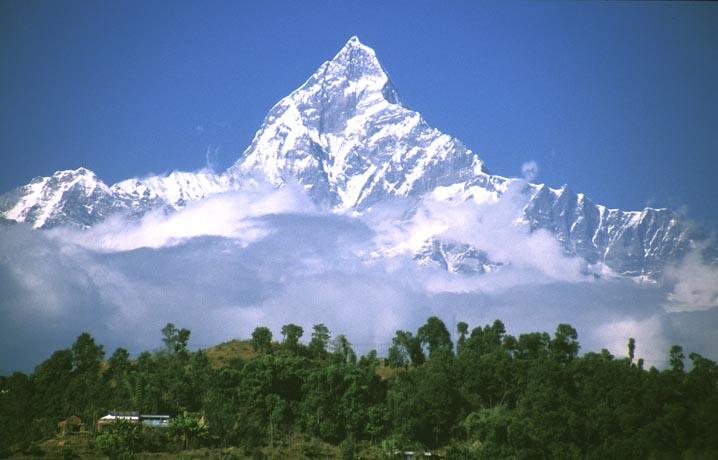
<point>354,42</point>
<point>357,70</point>
<point>354,48</point>
<point>75,173</point>
<point>345,136</point>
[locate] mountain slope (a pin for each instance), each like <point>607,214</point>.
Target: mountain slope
<point>80,199</point>
<point>348,139</point>
<point>345,136</point>
<point>631,243</point>
<point>626,243</point>
<point>75,197</point>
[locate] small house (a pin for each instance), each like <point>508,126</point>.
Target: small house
<point>414,455</point>
<point>112,417</point>
<point>155,421</point>
<point>71,425</point>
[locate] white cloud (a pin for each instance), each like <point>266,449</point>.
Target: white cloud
<point>695,284</point>
<point>228,215</point>
<point>529,170</point>
<point>651,343</point>
<point>224,265</point>
<point>493,226</point>
<point>211,156</point>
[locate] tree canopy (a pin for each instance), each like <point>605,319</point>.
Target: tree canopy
<point>492,396</point>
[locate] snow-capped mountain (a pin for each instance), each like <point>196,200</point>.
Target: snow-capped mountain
<point>626,243</point>
<point>631,243</point>
<point>79,198</point>
<point>347,138</point>
<point>172,191</point>
<point>345,135</point>
<point>75,197</point>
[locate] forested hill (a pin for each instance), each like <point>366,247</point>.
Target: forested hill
<point>489,395</point>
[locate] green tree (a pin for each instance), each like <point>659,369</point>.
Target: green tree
<point>405,348</point>
<point>425,401</point>
<point>119,362</point>
<point>319,341</point>
<point>487,339</point>
<point>533,345</point>
<point>490,428</point>
<point>343,351</point>
<point>498,397</point>
<point>189,429</point>
<point>397,355</point>
<point>52,381</point>
<point>292,333</point>
<point>564,346</point>
<point>676,358</point>
<point>120,440</point>
<point>117,379</point>
<point>86,354</point>
<point>175,340</point>
<point>370,360</point>
<point>337,399</point>
<point>262,340</point>
<point>434,335</point>
<point>462,328</point>
<point>16,409</point>
<point>86,386</point>
<point>631,349</point>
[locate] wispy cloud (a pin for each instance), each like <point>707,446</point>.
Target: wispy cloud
<point>529,170</point>
<point>493,226</point>
<point>211,156</point>
<point>261,255</point>
<point>228,215</point>
<point>695,284</point>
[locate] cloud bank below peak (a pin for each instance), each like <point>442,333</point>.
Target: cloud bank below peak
<point>224,265</point>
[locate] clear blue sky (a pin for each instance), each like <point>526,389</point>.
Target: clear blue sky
<point>618,100</point>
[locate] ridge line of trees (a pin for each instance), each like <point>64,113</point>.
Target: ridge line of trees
<point>489,395</point>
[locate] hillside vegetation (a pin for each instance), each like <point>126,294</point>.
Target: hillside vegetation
<point>489,395</point>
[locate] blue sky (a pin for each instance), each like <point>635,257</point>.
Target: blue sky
<point>617,100</point>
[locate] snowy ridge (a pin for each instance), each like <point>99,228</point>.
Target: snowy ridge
<point>632,243</point>
<point>44,201</point>
<point>174,190</point>
<point>627,243</point>
<point>78,198</point>
<point>346,137</point>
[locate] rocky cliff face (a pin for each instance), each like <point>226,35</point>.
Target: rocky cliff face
<point>346,137</point>
<point>631,243</point>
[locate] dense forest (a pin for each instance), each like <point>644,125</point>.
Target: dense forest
<point>489,395</point>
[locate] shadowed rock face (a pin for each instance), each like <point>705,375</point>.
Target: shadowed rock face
<point>632,243</point>
<point>346,137</point>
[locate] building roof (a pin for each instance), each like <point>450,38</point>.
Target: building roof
<point>121,416</point>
